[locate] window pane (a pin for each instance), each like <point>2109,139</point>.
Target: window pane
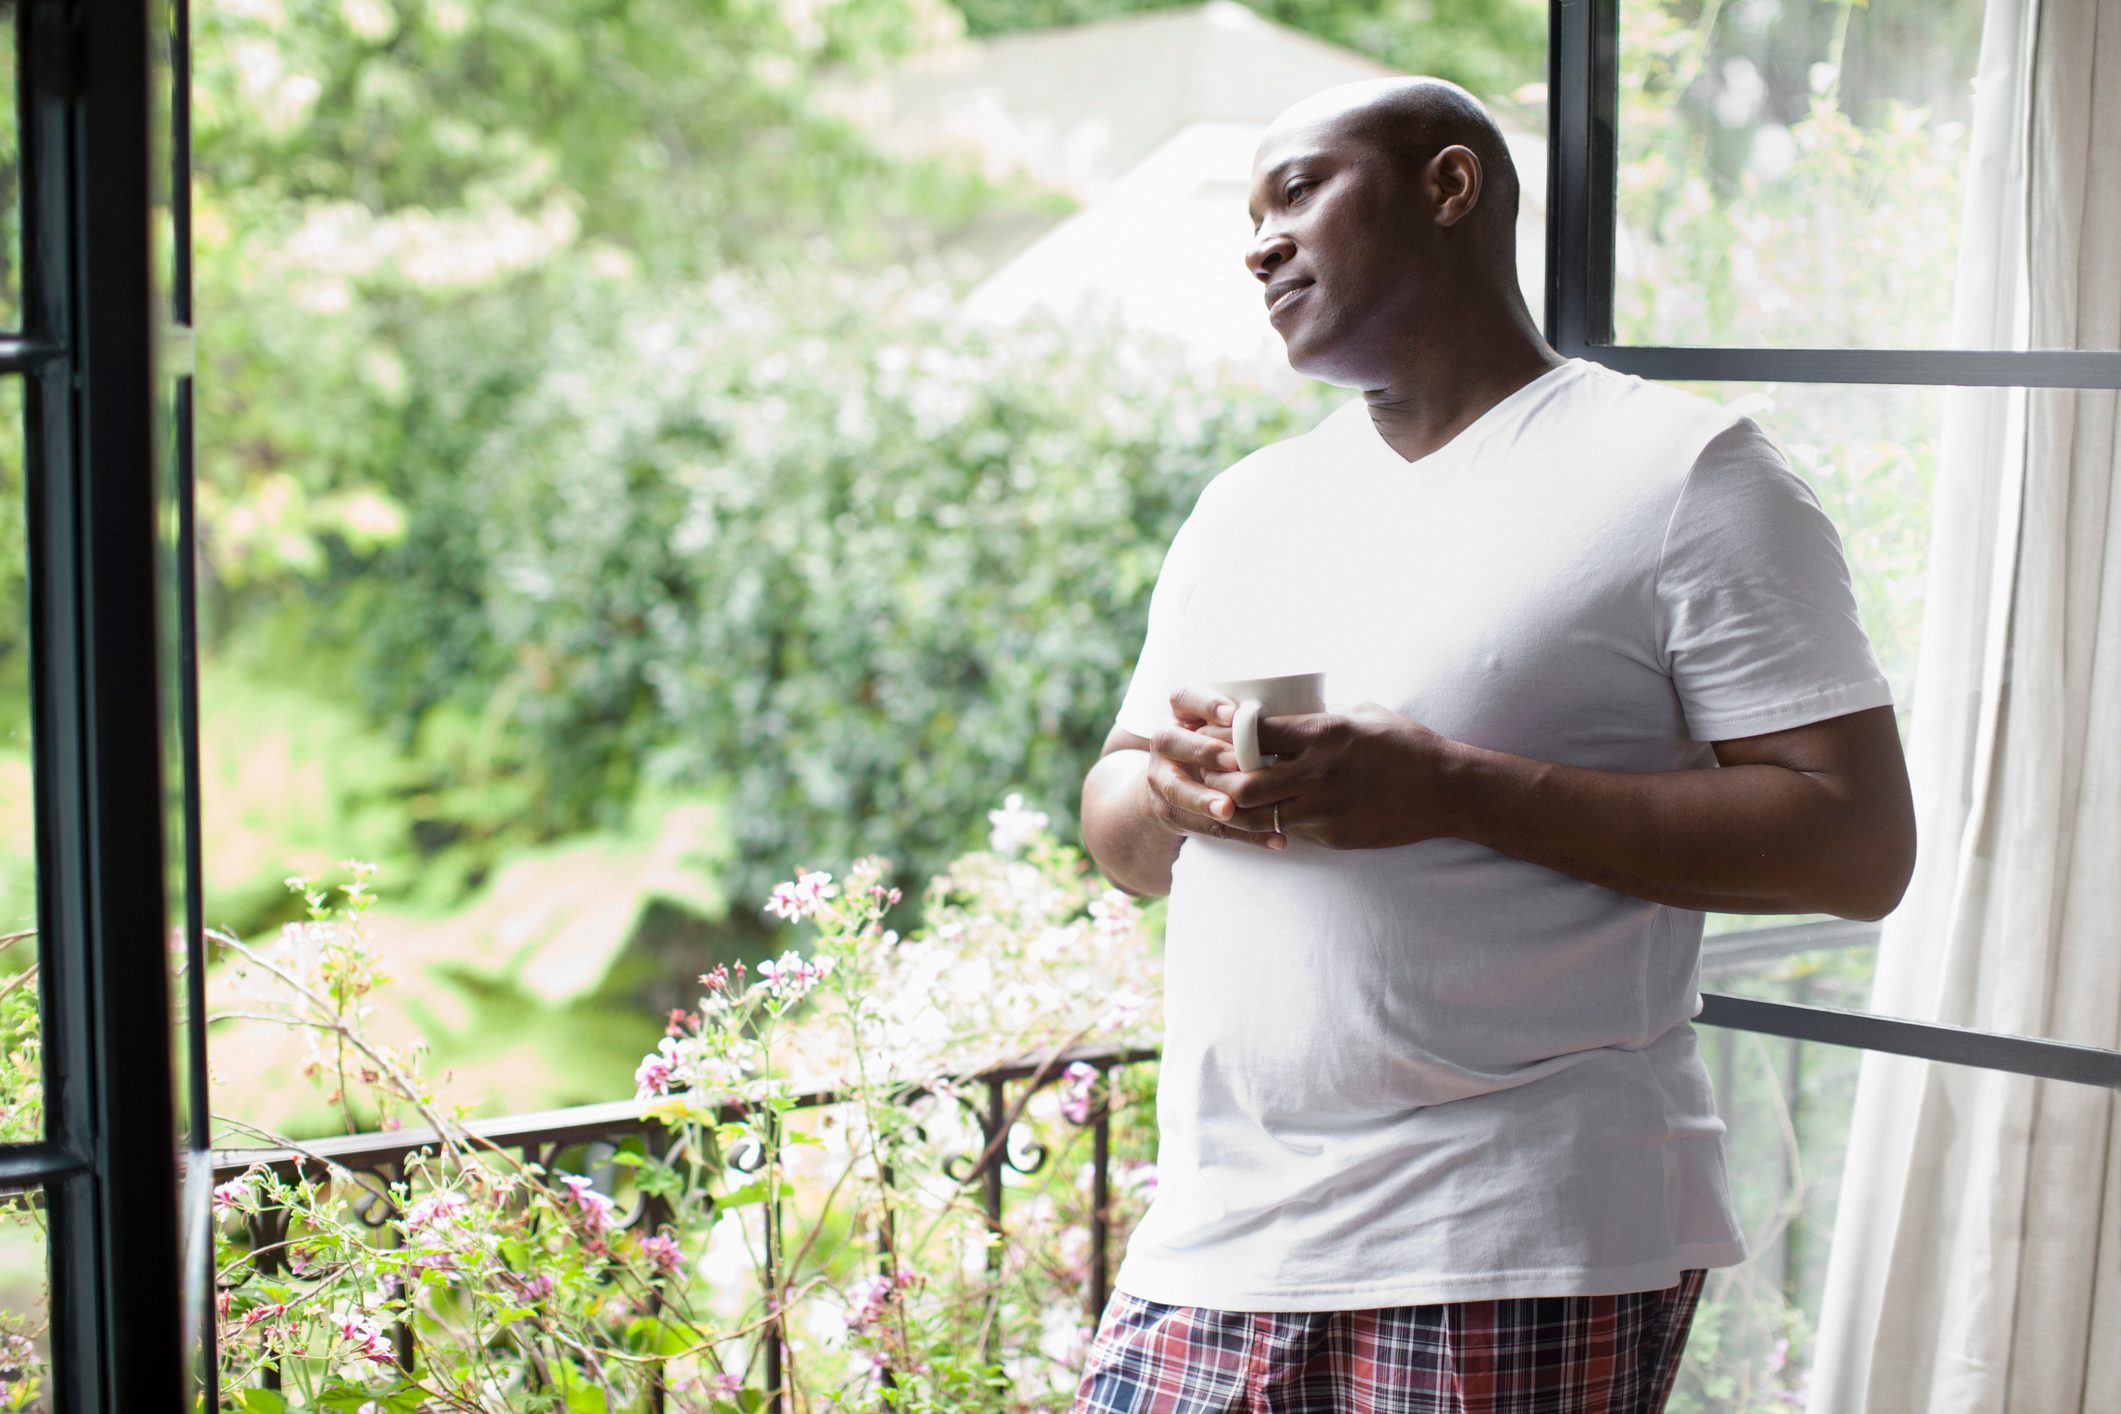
<point>25,1304</point>
<point>1787,1104</point>
<point>21,1059</point>
<point>494,589</point>
<point>10,178</point>
<point>1792,174</point>
<point>1871,455</point>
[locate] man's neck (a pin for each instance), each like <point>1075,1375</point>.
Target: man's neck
<point>1442,391</point>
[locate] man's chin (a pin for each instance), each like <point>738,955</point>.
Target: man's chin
<point>1318,364</point>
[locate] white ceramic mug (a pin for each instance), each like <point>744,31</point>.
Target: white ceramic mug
<point>1285,696</point>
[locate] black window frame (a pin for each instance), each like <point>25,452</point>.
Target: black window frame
<point>1583,88</point>
<point>94,356</point>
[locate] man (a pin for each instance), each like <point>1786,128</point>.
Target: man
<point>1434,1131</point>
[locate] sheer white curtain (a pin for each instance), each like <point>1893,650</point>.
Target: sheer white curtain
<point>1977,1250</point>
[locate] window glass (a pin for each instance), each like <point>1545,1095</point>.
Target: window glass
<point>1792,173</point>
<point>25,1304</point>
<point>21,1061</point>
<point>613,495</point>
<point>1870,453</point>
<point>1787,1104</point>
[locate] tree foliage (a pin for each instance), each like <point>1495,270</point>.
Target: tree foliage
<point>1492,47</point>
<point>803,540</point>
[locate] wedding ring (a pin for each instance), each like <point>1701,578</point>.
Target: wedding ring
<point>1277,817</point>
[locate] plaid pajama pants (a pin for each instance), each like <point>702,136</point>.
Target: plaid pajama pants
<point>1553,1355</point>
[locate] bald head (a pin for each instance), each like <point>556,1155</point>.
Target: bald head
<point>1384,221</point>
<point>1410,120</point>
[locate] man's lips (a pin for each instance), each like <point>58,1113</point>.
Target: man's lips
<point>1279,304</point>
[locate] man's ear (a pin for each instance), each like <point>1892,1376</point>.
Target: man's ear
<point>1454,184</point>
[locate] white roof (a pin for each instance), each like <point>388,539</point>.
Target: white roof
<point>1150,121</point>
<point>1076,108</point>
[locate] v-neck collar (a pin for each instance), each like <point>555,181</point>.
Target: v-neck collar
<point>1469,436</point>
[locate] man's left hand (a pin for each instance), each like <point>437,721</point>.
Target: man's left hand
<point>1367,778</point>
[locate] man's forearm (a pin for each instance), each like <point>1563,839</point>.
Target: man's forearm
<point>1132,847</point>
<point>1732,839</point>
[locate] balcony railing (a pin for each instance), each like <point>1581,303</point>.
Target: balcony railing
<point>377,1161</point>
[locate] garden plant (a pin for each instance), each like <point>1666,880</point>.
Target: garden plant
<point>846,1236</point>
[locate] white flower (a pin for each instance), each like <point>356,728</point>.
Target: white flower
<point>661,1071</point>
<point>791,976</point>
<point>798,900</point>
<point>1114,913</point>
<point>1014,826</point>
<point>1126,1007</point>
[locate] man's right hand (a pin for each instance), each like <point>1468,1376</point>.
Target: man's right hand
<point>1144,797</point>
<point>1199,741</point>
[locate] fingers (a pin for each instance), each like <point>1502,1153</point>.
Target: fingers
<point>1186,806</point>
<point>1288,736</point>
<point>1202,706</point>
<point>1253,792</point>
<point>1189,748</point>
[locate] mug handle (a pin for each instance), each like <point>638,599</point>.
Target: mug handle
<point>1244,735</point>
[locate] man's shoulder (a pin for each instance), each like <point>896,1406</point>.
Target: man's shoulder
<point>1260,469</point>
<point>1637,433</point>
<point>1647,407</point>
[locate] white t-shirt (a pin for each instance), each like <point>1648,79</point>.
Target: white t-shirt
<point>1434,1072</point>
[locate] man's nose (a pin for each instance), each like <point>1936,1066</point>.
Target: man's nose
<point>1268,252</point>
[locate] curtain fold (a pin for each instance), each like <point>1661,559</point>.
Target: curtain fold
<point>1977,1248</point>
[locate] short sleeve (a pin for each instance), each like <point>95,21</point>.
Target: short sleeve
<point>1760,626</point>
<point>1147,705</point>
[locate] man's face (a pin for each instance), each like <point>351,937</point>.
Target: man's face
<point>1341,233</point>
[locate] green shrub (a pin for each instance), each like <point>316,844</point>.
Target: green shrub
<point>801,539</point>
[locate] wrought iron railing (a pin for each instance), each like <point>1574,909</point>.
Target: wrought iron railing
<point>379,1160</point>
<point>996,1098</point>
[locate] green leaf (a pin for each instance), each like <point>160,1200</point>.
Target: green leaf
<point>744,1197</point>
<point>261,1401</point>
<point>750,1193</point>
<point>660,1181</point>
<point>342,1398</point>
<point>583,1394</point>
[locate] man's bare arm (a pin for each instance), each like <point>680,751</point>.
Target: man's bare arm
<point>1817,819</point>
<point>1131,846</point>
<point>1144,797</point>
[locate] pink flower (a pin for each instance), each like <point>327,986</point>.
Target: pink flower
<point>659,1071</point>
<point>367,1337</point>
<point>430,1211</point>
<point>597,1210</point>
<point>1115,916</point>
<point>1078,1091</point>
<point>664,1254</point>
<point>869,1296</point>
<point>229,1196</point>
<point>791,902</point>
<point>1139,1178</point>
<point>535,1288</point>
<point>791,976</point>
